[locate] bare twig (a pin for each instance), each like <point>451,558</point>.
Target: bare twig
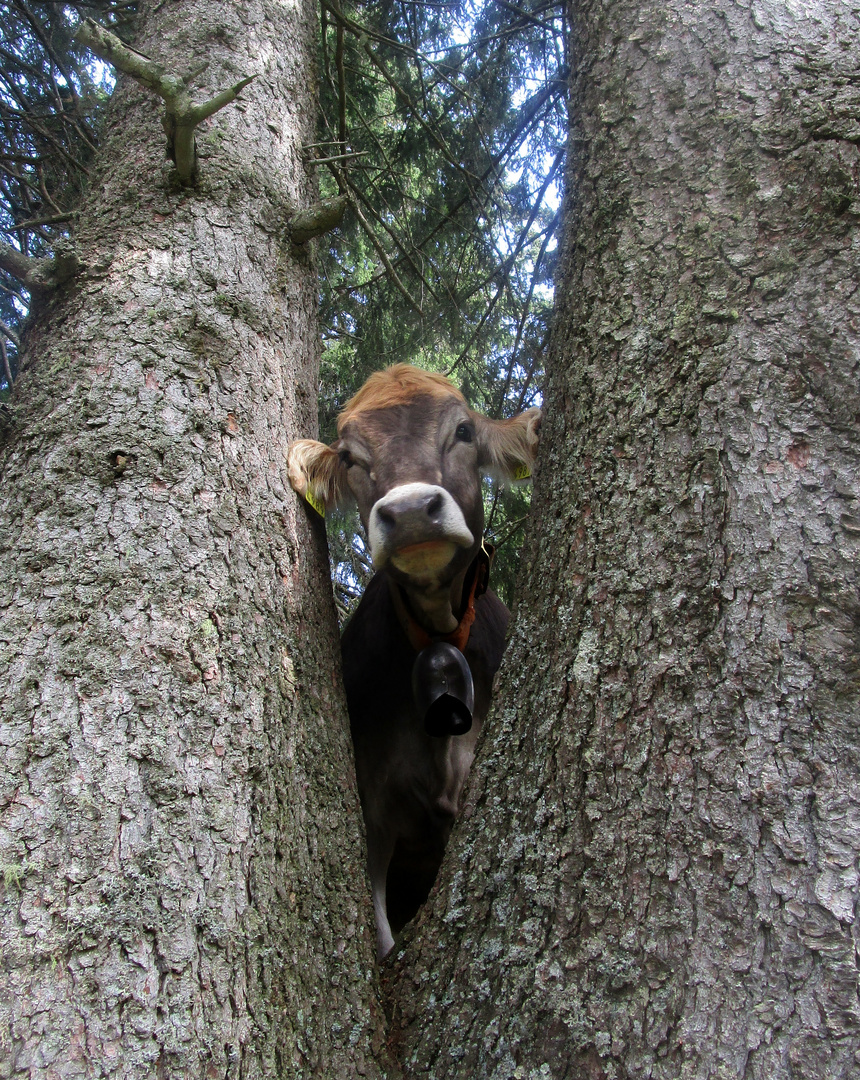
<point>7,370</point>
<point>8,332</point>
<point>337,157</point>
<point>38,223</point>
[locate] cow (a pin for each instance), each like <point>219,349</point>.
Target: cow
<point>421,650</point>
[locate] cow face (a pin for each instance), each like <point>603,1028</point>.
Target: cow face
<point>413,470</point>
<point>410,452</point>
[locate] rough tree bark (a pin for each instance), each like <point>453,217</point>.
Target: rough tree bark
<point>182,882</point>
<point>657,874</point>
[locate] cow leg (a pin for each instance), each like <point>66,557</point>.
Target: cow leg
<point>380,848</point>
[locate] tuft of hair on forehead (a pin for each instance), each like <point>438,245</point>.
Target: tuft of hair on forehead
<point>397,385</point>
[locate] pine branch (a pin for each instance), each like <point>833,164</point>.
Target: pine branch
<point>430,129</point>
<point>181,116</point>
<point>512,528</point>
<point>530,374</point>
<point>341,88</point>
<point>27,118</point>
<point>550,232</point>
<point>39,31</point>
<point>530,115</point>
<point>405,252</point>
<point>360,32</point>
<point>509,262</point>
<point>364,35</point>
<point>386,262</point>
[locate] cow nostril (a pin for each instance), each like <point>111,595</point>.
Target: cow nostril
<point>387,520</point>
<point>434,507</point>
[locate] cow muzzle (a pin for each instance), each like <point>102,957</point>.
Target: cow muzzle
<point>418,528</point>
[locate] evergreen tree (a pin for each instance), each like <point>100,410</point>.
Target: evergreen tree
<point>656,872</point>
<point>181,876</point>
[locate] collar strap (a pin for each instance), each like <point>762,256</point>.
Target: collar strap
<point>476,584</point>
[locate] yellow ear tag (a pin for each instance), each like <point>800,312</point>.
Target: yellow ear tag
<point>315,503</point>
<point>522,473</point>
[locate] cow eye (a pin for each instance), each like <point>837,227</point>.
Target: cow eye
<point>346,458</point>
<point>464,433</point>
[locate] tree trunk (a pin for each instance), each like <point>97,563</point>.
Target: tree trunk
<point>182,881</point>
<point>657,873</point>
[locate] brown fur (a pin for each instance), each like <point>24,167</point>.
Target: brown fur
<point>316,467</point>
<point>397,385</point>
<point>504,446</point>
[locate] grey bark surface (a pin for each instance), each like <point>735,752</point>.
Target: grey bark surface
<point>657,871</point>
<point>182,885</point>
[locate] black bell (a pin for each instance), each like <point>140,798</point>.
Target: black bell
<point>443,690</point>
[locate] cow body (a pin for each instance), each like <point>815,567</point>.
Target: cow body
<point>411,783</point>
<point>410,452</point>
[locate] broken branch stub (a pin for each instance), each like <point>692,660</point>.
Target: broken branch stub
<point>181,116</point>
<point>42,274</point>
<point>320,218</point>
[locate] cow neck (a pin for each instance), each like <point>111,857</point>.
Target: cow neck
<point>475,584</point>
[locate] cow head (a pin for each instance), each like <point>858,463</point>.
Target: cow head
<point>410,452</point>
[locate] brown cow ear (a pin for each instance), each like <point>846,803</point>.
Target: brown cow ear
<point>317,473</point>
<point>507,448</point>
